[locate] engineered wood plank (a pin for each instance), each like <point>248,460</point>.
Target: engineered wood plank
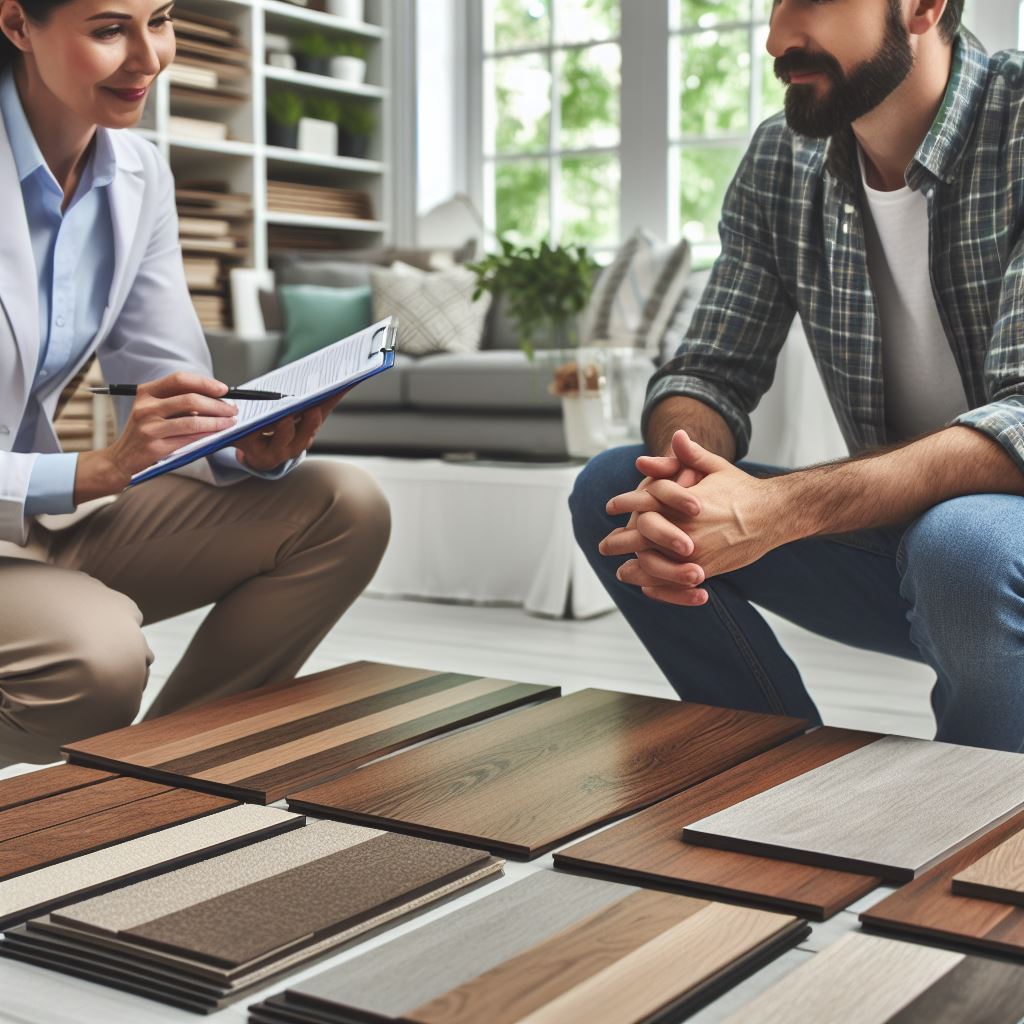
<point>841,814</point>
<point>647,848</point>
<point>520,785</point>
<point>998,875</point>
<point>61,778</point>
<point>258,746</point>
<point>977,990</point>
<point>80,877</point>
<point>103,829</point>
<point>928,908</point>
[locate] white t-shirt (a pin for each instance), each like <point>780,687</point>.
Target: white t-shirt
<point>923,389</point>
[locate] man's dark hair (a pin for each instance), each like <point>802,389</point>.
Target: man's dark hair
<point>949,24</point>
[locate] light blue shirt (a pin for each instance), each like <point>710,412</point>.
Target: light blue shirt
<point>74,257</point>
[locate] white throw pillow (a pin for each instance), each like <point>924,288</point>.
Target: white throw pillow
<point>435,310</point>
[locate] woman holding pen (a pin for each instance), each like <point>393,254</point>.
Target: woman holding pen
<point>90,263</point>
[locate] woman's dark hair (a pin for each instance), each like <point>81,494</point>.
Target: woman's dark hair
<point>949,24</point>
<point>37,11</point>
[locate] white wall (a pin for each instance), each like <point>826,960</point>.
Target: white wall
<point>994,22</point>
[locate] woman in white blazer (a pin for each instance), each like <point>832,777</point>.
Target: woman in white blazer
<point>90,263</point>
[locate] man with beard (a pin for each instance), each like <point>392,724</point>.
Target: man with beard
<point>886,208</point>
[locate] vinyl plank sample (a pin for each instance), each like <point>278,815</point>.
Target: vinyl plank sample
<point>61,778</point>
<point>551,948</point>
<point>998,875</point>
<point>864,979</point>
<point>928,908</point>
<point>522,784</point>
<point>841,815</point>
<point>259,745</point>
<point>104,828</point>
<point>75,879</point>
<point>647,848</point>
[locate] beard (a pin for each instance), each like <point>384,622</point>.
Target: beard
<point>850,96</point>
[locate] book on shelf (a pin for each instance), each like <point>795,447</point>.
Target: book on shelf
<point>228,247</point>
<point>206,226</point>
<point>196,128</point>
<point>201,273</point>
<point>190,23</point>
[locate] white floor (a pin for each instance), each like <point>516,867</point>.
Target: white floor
<point>851,688</point>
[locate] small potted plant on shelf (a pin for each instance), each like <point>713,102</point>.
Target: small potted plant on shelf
<point>313,53</point>
<point>349,61</point>
<point>284,111</point>
<point>356,124</point>
<point>318,127</point>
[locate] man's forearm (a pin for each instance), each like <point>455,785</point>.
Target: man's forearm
<point>707,427</point>
<point>894,486</point>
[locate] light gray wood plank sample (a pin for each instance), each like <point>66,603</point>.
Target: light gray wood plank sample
<point>48,887</point>
<point>998,875</point>
<point>893,808</point>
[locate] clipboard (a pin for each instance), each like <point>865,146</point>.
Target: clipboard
<point>307,382</point>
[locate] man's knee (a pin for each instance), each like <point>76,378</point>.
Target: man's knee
<point>351,504</point>
<point>610,473</point>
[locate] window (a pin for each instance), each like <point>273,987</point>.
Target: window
<point>551,85</point>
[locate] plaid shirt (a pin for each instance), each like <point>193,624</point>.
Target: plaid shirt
<point>793,242</point>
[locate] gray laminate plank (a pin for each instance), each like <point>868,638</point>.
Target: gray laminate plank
<point>893,808</point>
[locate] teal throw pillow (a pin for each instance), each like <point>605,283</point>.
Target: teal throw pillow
<point>316,316</point>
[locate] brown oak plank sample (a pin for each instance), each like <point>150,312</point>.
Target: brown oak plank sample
<point>105,828</point>
<point>998,875</point>
<point>260,745</point>
<point>61,778</point>
<point>841,814</point>
<point>647,848</point>
<point>522,784</point>
<point>928,908</point>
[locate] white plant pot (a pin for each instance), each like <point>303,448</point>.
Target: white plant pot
<point>583,422</point>
<point>349,69</point>
<point>316,136</point>
<point>350,10</point>
<point>281,60</point>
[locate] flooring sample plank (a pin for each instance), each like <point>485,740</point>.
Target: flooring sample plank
<point>61,778</point>
<point>647,848</point>
<point>258,746</point>
<point>864,979</point>
<point>520,785</point>
<point>550,948</point>
<point>843,814</point>
<point>998,875</point>
<point>46,888</point>
<point>927,908</point>
<point>104,828</point>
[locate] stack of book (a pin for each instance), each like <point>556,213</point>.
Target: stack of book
<point>211,66</point>
<point>213,225</point>
<point>86,421</point>
<point>318,200</point>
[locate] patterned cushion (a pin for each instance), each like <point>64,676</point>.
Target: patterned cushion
<point>435,311</point>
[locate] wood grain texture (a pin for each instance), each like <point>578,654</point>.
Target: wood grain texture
<point>976,990</point>
<point>258,746</point>
<point>928,908</point>
<point>104,828</point>
<point>61,778</point>
<point>998,875</point>
<point>841,814</point>
<point>647,848</point>
<point>520,785</point>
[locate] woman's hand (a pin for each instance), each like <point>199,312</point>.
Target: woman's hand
<point>166,415</point>
<point>286,439</point>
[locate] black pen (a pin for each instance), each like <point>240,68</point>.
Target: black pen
<point>129,391</point>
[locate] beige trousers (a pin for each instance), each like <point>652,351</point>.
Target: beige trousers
<point>280,561</point>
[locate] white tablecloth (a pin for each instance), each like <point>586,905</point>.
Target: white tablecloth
<point>484,533</point>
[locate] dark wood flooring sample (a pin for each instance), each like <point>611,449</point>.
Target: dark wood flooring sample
<point>523,784</point>
<point>106,826</point>
<point>260,745</point>
<point>23,789</point>
<point>648,848</point>
<point>928,907</point>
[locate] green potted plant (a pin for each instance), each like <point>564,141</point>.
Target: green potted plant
<point>349,61</point>
<point>313,53</point>
<point>284,111</point>
<point>356,124</point>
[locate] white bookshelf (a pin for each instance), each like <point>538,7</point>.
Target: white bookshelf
<point>244,160</point>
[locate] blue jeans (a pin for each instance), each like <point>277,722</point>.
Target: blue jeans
<point>948,591</point>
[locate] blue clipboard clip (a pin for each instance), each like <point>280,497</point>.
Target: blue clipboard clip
<point>388,343</point>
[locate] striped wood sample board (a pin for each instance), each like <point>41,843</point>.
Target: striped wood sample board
<point>261,745</point>
<point>525,783</point>
<point>998,875</point>
<point>548,949</point>
<point>61,778</point>
<point>928,908</point>
<point>204,935</point>
<point>648,848</point>
<point>893,808</point>
<point>864,979</point>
